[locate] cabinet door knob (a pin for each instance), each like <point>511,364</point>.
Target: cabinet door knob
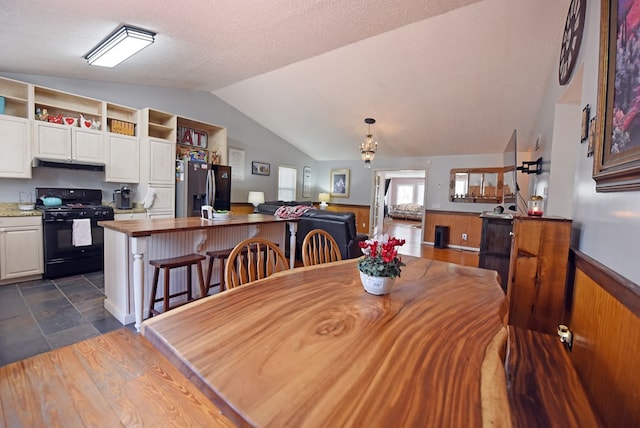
<point>510,233</point>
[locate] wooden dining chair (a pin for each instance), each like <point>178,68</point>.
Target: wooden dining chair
<point>253,259</point>
<point>319,247</point>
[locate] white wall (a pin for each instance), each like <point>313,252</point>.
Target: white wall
<point>438,172</point>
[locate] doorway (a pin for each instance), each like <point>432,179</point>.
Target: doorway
<point>398,205</point>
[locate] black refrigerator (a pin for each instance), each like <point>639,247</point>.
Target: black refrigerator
<point>200,183</point>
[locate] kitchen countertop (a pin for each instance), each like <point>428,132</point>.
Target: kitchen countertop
<point>11,209</point>
<point>148,227</point>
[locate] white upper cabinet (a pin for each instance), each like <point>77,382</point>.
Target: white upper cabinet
<point>122,145</point>
<point>15,129</point>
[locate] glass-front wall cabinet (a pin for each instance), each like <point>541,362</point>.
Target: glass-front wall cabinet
<point>481,185</point>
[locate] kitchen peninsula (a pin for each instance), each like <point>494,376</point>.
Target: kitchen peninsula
<point>127,243</point>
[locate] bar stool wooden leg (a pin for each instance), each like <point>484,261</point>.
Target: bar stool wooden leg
<point>154,290</point>
<point>166,297</point>
<point>209,272</point>
<point>203,286</point>
<point>189,296</point>
<point>222,264</point>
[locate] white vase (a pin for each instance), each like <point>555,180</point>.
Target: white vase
<point>378,285</point>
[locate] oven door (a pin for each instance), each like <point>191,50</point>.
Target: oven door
<point>62,258</point>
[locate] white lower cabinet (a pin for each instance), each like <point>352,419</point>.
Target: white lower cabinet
<point>130,216</point>
<point>21,253</point>
<point>122,159</point>
<point>15,146</point>
<point>164,202</point>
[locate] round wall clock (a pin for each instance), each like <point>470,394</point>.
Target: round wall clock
<point>571,39</point>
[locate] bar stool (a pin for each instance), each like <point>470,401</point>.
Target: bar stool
<point>172,263</point>
<point>222,256</point>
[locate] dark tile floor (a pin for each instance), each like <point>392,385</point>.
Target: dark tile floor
<point>39,316</point>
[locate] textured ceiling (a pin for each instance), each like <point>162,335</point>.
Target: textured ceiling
<point>441,77</point>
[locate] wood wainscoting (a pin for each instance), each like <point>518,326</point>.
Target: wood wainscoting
<point>458,223</point>
<point>361,212</point>
<point>603,312</point>
<point>241,208</point>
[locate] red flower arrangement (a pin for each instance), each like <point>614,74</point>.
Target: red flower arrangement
<point>381,257</point>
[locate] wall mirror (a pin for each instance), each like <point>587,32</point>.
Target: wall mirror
<point>480,185</point>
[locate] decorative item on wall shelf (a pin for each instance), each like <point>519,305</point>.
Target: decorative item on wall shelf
<point>340,183</point>
<point>592,136</point>
<point>381,264</point>
<point>584,129</point>
<point>306,182</point>
<point>616,165</point>
<point>260,168</point>
<point>215,158</point>
<point>191,137</point>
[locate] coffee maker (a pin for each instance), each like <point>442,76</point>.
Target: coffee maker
<point>122,198</point>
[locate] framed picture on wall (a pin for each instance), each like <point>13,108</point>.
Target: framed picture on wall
<point>260,168</point>
<point>616,153</point>
<point>339,183</point>
<point>584,129</point>
<point>306,182</point>
<point>236,162</point>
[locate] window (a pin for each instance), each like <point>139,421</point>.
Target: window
<point>404,194</point>
<point>420,195</point>
<point>287,183</point>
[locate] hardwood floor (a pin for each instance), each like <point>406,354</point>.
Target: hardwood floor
<point>412,233</point>
<point>117,379</point>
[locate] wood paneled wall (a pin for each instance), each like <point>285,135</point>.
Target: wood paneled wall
<point>241,208</point>
<point>603,312</point>
<point>458,223</point>
<point>361,212</point>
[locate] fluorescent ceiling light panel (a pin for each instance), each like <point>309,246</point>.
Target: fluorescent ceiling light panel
<point>119,46</point>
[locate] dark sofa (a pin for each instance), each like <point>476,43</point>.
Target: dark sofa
<point>341,226</point>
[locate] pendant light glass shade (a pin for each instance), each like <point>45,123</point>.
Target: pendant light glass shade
<point>369,146</point>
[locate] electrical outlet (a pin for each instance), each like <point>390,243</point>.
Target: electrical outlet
<point>464,236</point>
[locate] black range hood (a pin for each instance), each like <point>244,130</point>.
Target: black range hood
<point>68,165</point>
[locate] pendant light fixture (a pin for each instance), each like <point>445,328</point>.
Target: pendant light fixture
<point>369,146</point>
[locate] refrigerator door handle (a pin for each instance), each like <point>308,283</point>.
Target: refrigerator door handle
<point>211,188</point>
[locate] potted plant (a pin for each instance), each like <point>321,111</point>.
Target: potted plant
<point>380,265</point>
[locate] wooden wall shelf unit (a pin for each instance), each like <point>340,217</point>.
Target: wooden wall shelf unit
<point>16,98</point>
<point>216,139</point>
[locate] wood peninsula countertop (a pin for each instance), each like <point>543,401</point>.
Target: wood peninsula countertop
<point>310,347</point>
<point>147,227</point>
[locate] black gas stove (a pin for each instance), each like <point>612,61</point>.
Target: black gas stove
<point>73,241</point>
<point>74,204</point>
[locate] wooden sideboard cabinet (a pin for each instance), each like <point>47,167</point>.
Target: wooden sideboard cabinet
<point>531,255</point>
<point>538,272</point>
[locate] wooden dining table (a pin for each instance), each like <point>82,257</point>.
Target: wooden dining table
<point>309,347</point>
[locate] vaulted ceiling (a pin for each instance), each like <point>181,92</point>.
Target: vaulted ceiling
<point>441,77</point>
